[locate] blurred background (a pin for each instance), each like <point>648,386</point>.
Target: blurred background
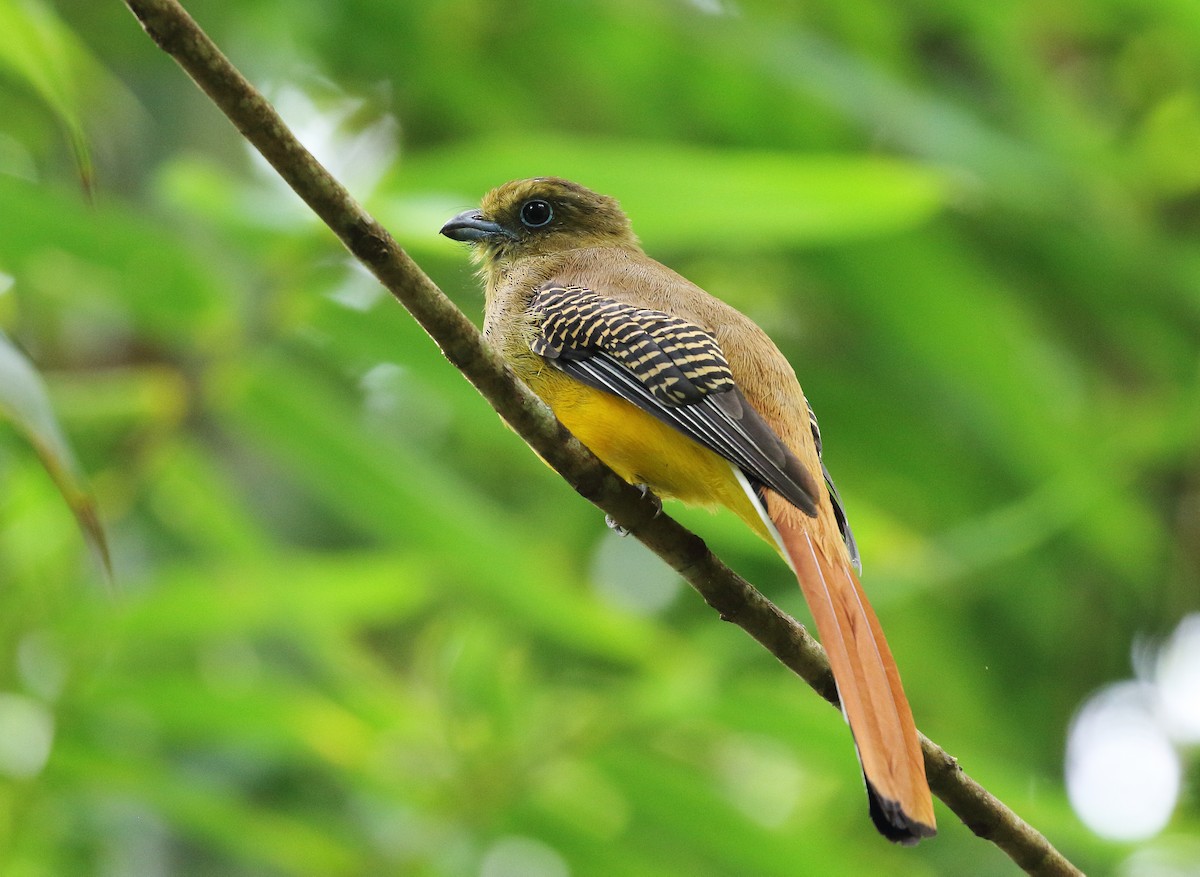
<point>357,628</point>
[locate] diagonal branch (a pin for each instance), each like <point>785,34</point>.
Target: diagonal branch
<point>169,25</point>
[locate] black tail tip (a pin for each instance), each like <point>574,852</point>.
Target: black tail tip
<point>893,823</point>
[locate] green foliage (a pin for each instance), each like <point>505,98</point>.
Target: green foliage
<point>39,52</point>
<point>23,402</point>
<point>360,629</point>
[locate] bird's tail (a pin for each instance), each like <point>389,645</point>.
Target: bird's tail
<point>868,682</point>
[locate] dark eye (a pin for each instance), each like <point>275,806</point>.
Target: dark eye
<point>536,213</point>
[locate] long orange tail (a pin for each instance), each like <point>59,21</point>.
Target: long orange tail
<point>867,679</point>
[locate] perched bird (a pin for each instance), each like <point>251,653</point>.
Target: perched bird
<point>678,392</point>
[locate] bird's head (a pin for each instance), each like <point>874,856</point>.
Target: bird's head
<point>540,217</point>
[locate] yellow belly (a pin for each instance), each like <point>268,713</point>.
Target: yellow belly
<point>644,450</point>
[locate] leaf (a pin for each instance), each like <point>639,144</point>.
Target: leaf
<point>129,263</point>
<point>684,196</point>
<point>39,50</point>
<point>23,401</point>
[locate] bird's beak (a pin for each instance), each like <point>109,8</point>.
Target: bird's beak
<point>470,226</point>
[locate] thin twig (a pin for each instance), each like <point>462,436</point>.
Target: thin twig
<point>737,601</point>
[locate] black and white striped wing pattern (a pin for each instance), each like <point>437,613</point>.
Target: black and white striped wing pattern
<point>670,368</point>
<point>676,361</point>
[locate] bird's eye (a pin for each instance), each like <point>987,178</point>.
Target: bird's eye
<point>536,213</point>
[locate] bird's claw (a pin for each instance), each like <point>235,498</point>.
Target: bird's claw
<point>652,499</point>
<point>611,522</point>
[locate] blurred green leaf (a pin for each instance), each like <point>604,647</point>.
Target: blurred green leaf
<point>25,404</point>
<point>36,49</point>
<point>125,262</point>
<point>683,197</point>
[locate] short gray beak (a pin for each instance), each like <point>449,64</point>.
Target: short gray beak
<point>470,226</point>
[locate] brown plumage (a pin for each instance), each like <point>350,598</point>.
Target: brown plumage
<point>676,390</point>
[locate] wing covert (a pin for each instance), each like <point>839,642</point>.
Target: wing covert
<point>673,370</point>
<point>678,362</point>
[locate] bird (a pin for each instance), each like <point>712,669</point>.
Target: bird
<point>682,395</point>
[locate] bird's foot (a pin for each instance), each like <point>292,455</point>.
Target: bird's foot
<point>611,522</point>
<point>652,499</point>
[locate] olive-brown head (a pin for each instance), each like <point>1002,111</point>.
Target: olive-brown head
<point>538,217</point>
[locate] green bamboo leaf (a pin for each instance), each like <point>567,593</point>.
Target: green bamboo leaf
<point>24,402</point>
<point>131,265</point>
<point>37,49</point>
<point>689,197</point>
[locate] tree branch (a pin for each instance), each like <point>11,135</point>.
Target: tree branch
<point>169,25</point>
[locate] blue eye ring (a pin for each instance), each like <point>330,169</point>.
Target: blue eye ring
<point>536,213</point>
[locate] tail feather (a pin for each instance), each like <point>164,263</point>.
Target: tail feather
<point>868,681</point>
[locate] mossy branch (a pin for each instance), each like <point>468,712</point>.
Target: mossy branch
<point>735,599</point>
